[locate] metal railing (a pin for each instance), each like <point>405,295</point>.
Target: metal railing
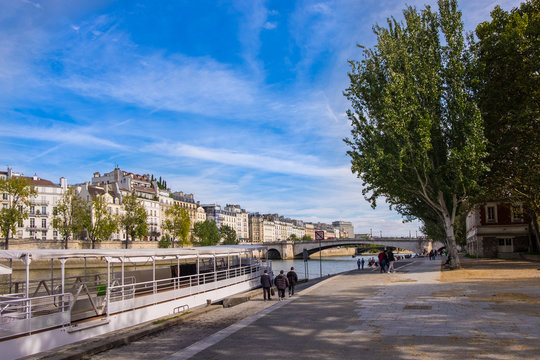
<point>20,315</point>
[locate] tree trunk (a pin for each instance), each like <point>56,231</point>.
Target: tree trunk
<point>451,241</point>
<point>127,238</point>
<point>7,239</point>
<point>535,228</point>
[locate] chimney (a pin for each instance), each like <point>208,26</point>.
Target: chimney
<point>63,183</point>
<point>35,177</point>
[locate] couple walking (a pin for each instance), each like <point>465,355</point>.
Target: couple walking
<point>281,281</point>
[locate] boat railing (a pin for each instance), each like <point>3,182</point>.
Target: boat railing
<point>140,294</point>
<point>25,315</point>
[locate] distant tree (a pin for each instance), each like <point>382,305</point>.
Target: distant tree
<point>293,238</point>
<point>417,136</point>
<point>102,223</point>
<point>133,220</point>
<point>206,232</point>
<point>18,192</point>
<point>72,215</point>
<point>228,234</point>
<point>164,242</point>
<point>509,98</point>
<point>177,223</point>
<point>306,238</point>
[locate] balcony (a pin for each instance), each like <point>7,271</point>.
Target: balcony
<point>39,202</point>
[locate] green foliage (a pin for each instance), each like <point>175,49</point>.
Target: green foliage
<point>103,223</point>
<point>228,234</point>
<point>178,223</point>
<point>293,238</point>
<point>72,215</point>
<point>134,218</point>
<point>508,90</point>
<point>19,192</point>
<point>164,242</point>
<point>417,137</point>
<point>306,238</point>
<point>206,232</point>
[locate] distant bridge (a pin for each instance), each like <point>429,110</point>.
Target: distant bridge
<point>289,249</point>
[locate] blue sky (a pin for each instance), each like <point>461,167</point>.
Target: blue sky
<point>234,101</point>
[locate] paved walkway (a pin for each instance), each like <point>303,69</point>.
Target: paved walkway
<point>363,315</point>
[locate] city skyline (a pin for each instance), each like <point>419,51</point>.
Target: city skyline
<point>236,102</point>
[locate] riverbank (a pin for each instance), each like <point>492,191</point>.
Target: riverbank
<point>487,309</point>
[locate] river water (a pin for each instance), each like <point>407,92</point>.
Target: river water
<point>330,265</point>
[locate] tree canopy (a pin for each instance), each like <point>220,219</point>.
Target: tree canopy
<point>178,223</point>
<point>103,223</point>
<point>206,232</point>
<point>72,215</point>
<point>133,220</point>
<point>417,135</point>
<point>508,91</point>
<point>228,235</point>
<point>18,192</point>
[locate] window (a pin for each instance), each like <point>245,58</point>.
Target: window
<point>491,214</point>
<point>43,235</point>
<point>517,213</point>
<point>32,209</point>
<point>4,196</point>
<point>44,223</point>
<point>32,222</point>
<point>44,210</point>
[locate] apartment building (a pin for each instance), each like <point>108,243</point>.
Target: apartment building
<point>497,229</point>
<point>346,229</point>
<point>219,215</point>
<point>242,222</point>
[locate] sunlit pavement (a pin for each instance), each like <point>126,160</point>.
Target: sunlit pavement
<point>382,316</point>
<point>362,315</point>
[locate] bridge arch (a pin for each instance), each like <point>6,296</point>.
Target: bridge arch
<point>273,254</point>
<point>361,245</point>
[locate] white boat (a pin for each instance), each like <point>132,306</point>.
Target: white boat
<point>135,286</point>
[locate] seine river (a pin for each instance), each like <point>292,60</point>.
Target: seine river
<point>330,265</point>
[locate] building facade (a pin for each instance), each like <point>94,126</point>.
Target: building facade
<point>496,230</point>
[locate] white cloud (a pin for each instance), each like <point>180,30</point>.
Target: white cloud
<point>294,164</point>
<point>270,25</point>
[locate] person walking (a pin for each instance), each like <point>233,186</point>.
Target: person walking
<point>266,283</point>
<point>391,261</point>
<point>381,260</point>
<point>281,283</point>
<point>293,280</point>
<point>362,263</point>
<point>359,263</point>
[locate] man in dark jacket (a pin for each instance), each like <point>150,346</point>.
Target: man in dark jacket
<point>281,283</point>
<point>266,283</point>
<point>293,279</point>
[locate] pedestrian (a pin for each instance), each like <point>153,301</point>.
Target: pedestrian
<point>281,283</point>
<point>266,283</point>
<point>293,279</point>
<point>391,260</point>
<point>359,263</point>
<point>381,260</point>
<point>362,263</point>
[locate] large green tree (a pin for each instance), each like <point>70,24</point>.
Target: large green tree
<point>508,54</point>
<point>228,234</point>
<point>206,232</point>
<point>417,136</point>
<point>102,223</point>
<point>71,216</point>
<point>18,192</point>
<point>133,220</point>
<point>177,223</point>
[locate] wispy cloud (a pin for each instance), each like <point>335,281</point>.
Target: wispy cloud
<point>78,136</point>
<point>248,160</point>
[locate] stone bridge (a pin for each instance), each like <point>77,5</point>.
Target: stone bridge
<point>289,249</point>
